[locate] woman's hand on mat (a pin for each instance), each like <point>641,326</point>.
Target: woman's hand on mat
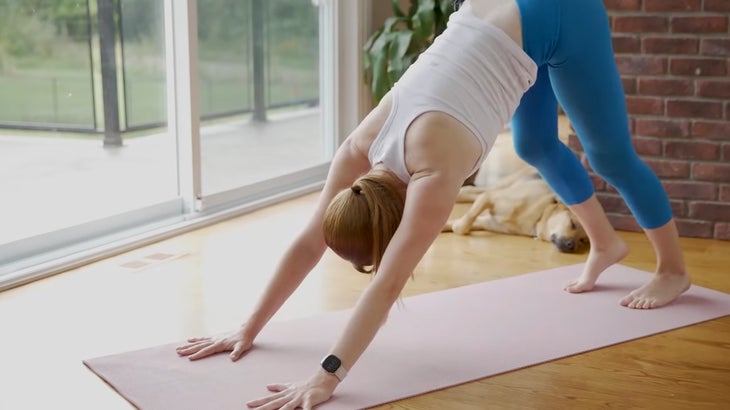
<point>199,347</point>
<point>318,389</point>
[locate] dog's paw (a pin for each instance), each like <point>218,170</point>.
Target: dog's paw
<point>460,227</point>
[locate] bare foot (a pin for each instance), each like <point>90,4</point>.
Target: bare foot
<point>598,261</point>
<point>659,291</point>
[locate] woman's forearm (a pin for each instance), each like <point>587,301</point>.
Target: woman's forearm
<point>423,218</point>
<point>367,318</point>
<point>298,261</point>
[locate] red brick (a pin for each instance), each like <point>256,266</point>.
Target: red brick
<point>713,211</point>
<point>666,86</point>
<point>698,67</point>
<point>719,47</point>
<point>667,128</point>
<point>694,229</point>
<point>722,231</point>
<point>698,109</point>
<point>696,25</point>
<point>669,169</point>
<point>640,24</point>
<point>585,163</point>
<point>622,5</point>
<point>629,85</point>
<point>641,65</point>
<point>717,5</point>
<point>727,110</point>
<point>598,183</point>
<point>726,152</point>
<point>664,45</point>
<point>613,203</point>
<point>611,189</point>
<point>623,222</point>
<point>691,190</point>
<point>574,142</point>
<point>645,105</point>
<point>725,193</point>
<point>672,5</point>
<point>692,150</point>
<point>647,146</point>
<point>714,88</point>
<point>678,208</point>
<point>711,172</point>
<point>711,130</point>
<point>626,44</point>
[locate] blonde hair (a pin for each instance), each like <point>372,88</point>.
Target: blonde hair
<point>360,221</point>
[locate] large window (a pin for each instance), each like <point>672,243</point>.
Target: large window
<point>259,67</point>
<point>108,131</point>
<point>67,160</point>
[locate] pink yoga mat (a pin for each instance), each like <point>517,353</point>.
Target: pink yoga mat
<point>433,341</point>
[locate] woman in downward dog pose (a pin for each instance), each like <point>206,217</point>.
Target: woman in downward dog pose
<point>393,181</point>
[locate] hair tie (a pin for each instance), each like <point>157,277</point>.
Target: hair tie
<point>356,189</point>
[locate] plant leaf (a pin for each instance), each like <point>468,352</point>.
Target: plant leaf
<point>396,9</point>
<point>442,16</point>
<point>399,44</point>
<point>447,6</point>
<point>380,84</point>
<point>391,22</point>
<point>397,60</point>
<point>366,49</point>
<point>423,18</point>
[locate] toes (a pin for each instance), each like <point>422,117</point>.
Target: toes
<point>640,303</point>
<point>626,300</point>
<point>634,303</point>
<point>574,288</point>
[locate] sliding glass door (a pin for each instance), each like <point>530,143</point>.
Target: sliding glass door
<point>69,155</point>
<point>119,117</point>
<point>260,100</point>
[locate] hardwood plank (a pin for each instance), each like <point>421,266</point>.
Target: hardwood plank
<point>214,275</point>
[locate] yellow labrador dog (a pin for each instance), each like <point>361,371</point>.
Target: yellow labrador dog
<point>509,196</point>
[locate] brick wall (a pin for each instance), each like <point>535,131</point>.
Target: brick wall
<point>674,58</point>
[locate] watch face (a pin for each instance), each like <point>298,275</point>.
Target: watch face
<point>331,363</point>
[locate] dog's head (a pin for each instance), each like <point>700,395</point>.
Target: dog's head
<point>564,231</point>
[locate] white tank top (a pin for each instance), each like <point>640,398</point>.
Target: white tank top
<point>473,72</point>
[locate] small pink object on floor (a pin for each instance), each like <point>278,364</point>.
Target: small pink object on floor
<point>433,341</point>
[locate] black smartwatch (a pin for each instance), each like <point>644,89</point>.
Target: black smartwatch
<point>333,365</point>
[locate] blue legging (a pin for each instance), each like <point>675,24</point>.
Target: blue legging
<point>570,41</point>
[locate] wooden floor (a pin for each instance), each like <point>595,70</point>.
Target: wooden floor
<point>207,281</point>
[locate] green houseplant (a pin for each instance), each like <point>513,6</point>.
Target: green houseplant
<point>396,45</point>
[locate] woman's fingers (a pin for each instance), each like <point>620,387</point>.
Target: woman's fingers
<point>291,405</point>
<point>277,387</point>
<point>214,348</point>
<point>273,399</point>
<point>198,339</point>
<point>238,350</point>
<point>192,348</point>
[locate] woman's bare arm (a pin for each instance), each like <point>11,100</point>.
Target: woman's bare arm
<point>299,259</point>
<point>429,202</point>
<point>309,246</point>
